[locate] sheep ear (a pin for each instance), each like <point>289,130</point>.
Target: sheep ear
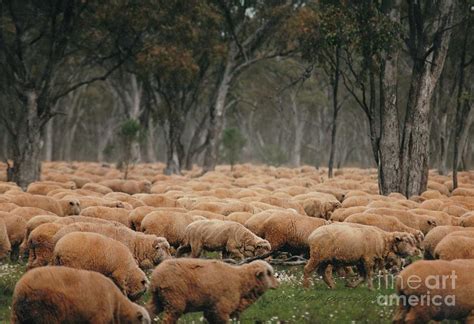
<point>140,316</point>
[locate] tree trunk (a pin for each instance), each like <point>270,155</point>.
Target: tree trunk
<point>151,143</point>
<point>217,115</point>
<point>195,148</point>
<point>427,67</point>
<point>335,107</point>
<point>415,144</point>
<point>463,108</point>
<point>49,140</point>
<point>389,144</point>
<point>333,144</point>
<point>174,149</point>
<point>443,143</point>
<point>27,145</point>
<point>299,120</point>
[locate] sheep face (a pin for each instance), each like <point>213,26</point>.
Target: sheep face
<point>162,250</point>
<point>404,244</point>
<point>137,284</point>
<point>264,275</point>
<point>73,207</point>
<point>136,315</point>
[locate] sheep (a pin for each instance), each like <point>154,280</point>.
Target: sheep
<point>283,203</point>
<point>346,245</point>
<point>148,250</point>
<point>207,214</point>
<point>124,198</point>
<point>356,201</point>
<point>340,214</point>
<point>229,237</point>
<point>386,223</point>
<point>7,206</point>
<point>290,232</point>
<point>103,190</point>
<point>168,225</point>
<point>183,285</point>
<point>66,220</point>
<point>419,222</point>
<point>16,228</point>
<point>255,223</point>
<point>432,204</point>
<point>441,188</point>
<point>136,216</point>
<point>61,207</point>
<point>386,204</point>
<point>451,282</point>
<point>89,201</point>
<point>31,225</point>
<point>223,208</point>
<point>432,194</point>
<point>115,214</point>
<point>466,192</point>
<point>457,245</point>
<point>28,213</point>
<point>318,204</point>
<point>455,210</point>
<point>239,217</point>
<point>43,187</point>
<point>436,235</point>
<point>441,218</point>
<point>40,245</point>
<point>65,295</point>
<point>467,220</point>
<point>95,252</point>
<point>128,186</point>
<point>5,246</point>
<point>156,200</point>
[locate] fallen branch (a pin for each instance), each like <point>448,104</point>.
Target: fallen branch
<point>291,261</point>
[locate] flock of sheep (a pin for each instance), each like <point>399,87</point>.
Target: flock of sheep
<point>89,238</point>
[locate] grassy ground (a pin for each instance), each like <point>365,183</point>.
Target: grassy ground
<point>290,303</point>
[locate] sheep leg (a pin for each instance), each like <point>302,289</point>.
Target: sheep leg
<point>216,317</point>
<point>327,277</point>
<point>418,314</point>
<point>196,250</point>
<point>182,249</point>
<point>236,253</point>
<point>369,269</point>
<point>400,314</point>
<point>361,274</point>
<point>469,319</point>
<point>15,252</point>
<point>308,270</point>
<point>170,317</point>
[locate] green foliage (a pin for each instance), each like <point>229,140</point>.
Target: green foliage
<point>233,142</point>
<point>357,27</point>
<point>184,38</point>
<point>130,129</point>
<point>129,133</point>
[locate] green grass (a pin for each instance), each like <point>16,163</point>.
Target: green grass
<point>9,275</point>
<point>290,303</point>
